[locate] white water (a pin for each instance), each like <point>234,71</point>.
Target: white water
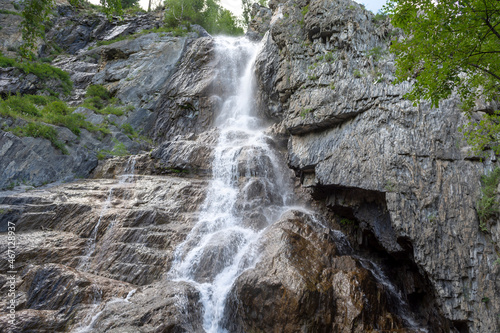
<point>248,191</point>
<point>403,309</point>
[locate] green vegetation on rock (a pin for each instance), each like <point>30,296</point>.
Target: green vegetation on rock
<point>99,100</point>
<point>174,31</point>
<point>43,71</point>
<point>119,149</point>
<point>9,12</point>
<point>36,14</point>
<point>36,112</point>
<point>39,130</point>
<point>488,206</point>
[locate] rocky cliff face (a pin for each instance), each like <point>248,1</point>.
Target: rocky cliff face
<point>403,173</point>
<point>394,245</point>
<point>137,69</point>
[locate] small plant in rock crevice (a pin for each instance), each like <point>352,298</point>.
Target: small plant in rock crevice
<point>305,112</point>
<point>390,186</point>
<point>357,73</point>
<point>347,222</point>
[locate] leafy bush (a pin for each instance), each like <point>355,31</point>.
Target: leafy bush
<point>17,105</point>
<point>99,100</point>
<point>380,17</point>
<point>39,100</point>
<point>38,130</point>
<point>53,112</point>
<point>93,103</point>
<point>488,206</point>
<point>57,107</point>
<point>119,149</point>
<point>129,3</point>
<point>112,110</point>
<point>129,130</point>
<point>96,90</point>
<point>43,71</point>
<point>206,13</point>
<point>9,12</point>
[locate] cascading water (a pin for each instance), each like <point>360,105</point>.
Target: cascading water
<point>247,193</point>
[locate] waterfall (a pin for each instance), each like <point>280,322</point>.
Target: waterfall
<point>247,193</point>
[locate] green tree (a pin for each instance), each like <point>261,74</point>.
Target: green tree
<point>451,45</point>
<point>183,11</point>
<point>247,8</point>
<point>129,3</point>
<point>207,13</point>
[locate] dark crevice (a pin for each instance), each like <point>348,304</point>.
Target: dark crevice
<point>461,326</point>
<point>363,216</point>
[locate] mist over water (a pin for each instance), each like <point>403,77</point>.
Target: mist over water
<point>247,193</point>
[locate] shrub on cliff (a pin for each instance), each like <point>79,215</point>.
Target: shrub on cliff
<point>38,111</point>
<point>99,100</point>
<point>44,72</point>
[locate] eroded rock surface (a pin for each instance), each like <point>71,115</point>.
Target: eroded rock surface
<point>397,179</point>
<point>351,130</point>
<point>305,283</point>
<point>99,240</point>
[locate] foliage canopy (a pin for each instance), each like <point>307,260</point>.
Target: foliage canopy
<point>207,13</point>
<point>451,45</point>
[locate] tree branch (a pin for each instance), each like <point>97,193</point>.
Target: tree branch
<point>484,70</point>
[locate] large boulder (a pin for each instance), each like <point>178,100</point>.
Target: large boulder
<point>304,283</point>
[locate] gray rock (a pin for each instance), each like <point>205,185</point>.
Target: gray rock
<point>10,34</point>
<point>137,70</point>
<point>35,161</point>
<point>13,81</point>
<point>73,31</point>
<point>187,154</point>
<point>302,281</point>
<point>90,116</point>
<point>147,217</point>
<point>260,23</point>
<point>187,104</point>
<point>352,132</point>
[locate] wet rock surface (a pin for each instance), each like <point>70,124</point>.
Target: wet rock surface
<point>131,226</point>
<point>303,282</point>
<point>396,179</point>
